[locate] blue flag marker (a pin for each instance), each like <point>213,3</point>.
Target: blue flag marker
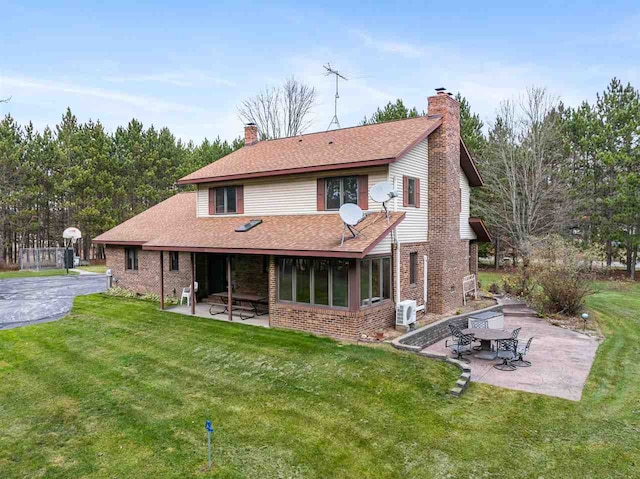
<point>209,428</point>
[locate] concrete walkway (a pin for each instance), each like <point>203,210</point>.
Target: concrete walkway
<point>561,360</point>
<point>202,310</point>
<point>39,299</point>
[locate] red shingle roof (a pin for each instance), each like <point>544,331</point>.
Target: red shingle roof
<point>173,225</point>
<point>347,147</point>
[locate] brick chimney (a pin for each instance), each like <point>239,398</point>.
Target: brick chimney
<point>446,249</point>
<point>250,134</point>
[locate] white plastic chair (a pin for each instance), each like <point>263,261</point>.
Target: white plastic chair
<point>186,293</point>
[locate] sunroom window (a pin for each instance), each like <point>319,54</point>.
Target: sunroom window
<point>375,280</point>
<point>322,282</point>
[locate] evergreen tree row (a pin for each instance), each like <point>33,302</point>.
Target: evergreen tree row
<point>81,175</point>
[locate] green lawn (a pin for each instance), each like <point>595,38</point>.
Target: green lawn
<point>98,268</point>
<point>118,389</point>
<point>29,274</point>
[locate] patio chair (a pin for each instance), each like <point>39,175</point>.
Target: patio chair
<point>186,293</point>
<point>514,334</point>
<point>478,324</point>
<point>521,352</point>
<point>507,352</point>
<point>460,346</point>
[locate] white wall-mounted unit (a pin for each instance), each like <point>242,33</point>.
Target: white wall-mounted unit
<point>406,312</point>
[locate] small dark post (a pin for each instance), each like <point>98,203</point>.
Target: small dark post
<point>193,284</point>
<point>161,280</point>
<point>229,288</point>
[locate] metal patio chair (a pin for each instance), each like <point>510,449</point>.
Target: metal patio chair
<point>460,343</point>
<point>506,350</point>
<point>478,324</point>
<point>515,333</point>
<point>521,352</point>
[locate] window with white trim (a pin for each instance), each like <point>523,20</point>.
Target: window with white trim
<point>340,190</point>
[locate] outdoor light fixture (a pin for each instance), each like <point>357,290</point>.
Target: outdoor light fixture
<point>585,318</point>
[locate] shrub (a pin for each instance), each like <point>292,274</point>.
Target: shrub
<point>563,290</point>
<point>519,284</point>
<point>562,272</point>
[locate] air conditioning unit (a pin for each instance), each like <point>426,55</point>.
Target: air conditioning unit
<point>406,312</point>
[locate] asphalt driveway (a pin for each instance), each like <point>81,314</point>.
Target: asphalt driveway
<point>34,300</point>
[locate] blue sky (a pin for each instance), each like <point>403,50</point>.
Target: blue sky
<point>189,65</point>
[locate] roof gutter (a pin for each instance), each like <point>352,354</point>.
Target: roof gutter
<point>290,171</point>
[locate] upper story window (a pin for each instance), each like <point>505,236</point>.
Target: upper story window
<point>226,200</point>
<point>341,190</point>
<point>131,259</point>
<point>411,196</point>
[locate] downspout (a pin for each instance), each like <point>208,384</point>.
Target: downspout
<point>397,243</point>
<point>396,240</point>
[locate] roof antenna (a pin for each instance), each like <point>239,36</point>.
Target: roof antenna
<point>331,71</point>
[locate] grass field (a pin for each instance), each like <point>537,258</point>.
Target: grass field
<point>118,389</point>
<point>98,268</point>
<point>29,274</point>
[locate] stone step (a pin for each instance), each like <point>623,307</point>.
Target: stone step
<point>457,391</point>
<point>466,376</point>
<point>514,305</point>
<point>461,383</point>
<point>520,312</point>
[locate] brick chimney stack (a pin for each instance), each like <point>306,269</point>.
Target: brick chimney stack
<point>250,134</point>
<point>445,245</point>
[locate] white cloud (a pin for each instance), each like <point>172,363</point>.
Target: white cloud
<point>188,78</point>
<point>403,49</point>
<point>30,85</point>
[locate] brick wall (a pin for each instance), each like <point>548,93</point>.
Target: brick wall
<point>408,290</point>
<point>448,254</point>
<point>147,278</point>
<point>326,321</point>
<point>473,258</point>
<point>251,274</point>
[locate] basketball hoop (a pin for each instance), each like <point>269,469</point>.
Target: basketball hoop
<point>71,236</point>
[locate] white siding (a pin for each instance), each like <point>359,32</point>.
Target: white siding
<point>286,195</point>
<point>413,228</point>
<point>466,232</point>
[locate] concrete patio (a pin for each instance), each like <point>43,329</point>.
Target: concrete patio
<point>561,360</point>
<point>202,310</point>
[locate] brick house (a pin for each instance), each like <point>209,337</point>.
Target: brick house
<point>294,257</point>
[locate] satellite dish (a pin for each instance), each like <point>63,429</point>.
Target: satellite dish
<point>382,192</point>
<point>351,214</point>
<point>72,234</point>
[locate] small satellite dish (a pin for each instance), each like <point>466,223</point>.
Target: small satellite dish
<point>72,234</point>
<point>382,192</point>
<point>351,214</point>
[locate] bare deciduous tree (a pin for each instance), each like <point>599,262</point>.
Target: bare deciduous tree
<point>280,111</point>
<point>525,195</point>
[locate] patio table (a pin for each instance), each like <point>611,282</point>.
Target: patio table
<point>254,302</point>
<point>486,337</point>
